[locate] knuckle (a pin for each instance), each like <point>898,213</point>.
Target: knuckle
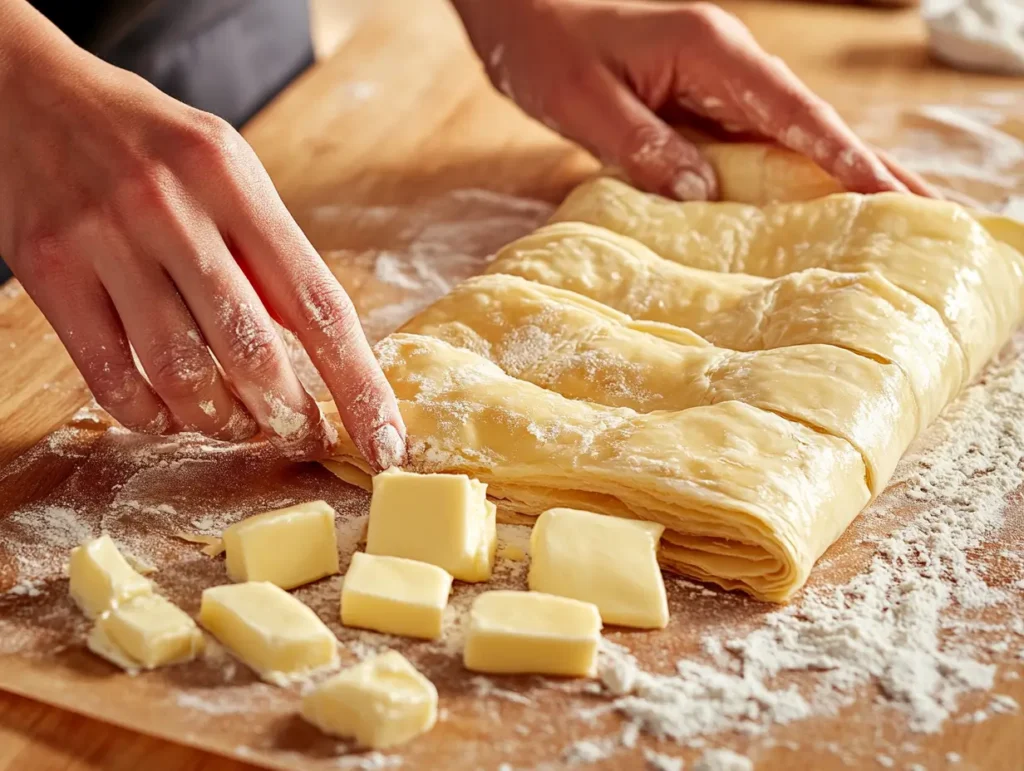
<point>643,144</point>
<point>328,309</point>
<point>142,191</point>
<point>254,347</point>
<point>709,17</point>
<point>180,370</point>
<point>210,140</point>
<point>114,384</point>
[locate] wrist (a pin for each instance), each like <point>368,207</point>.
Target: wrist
<point>31,46</point>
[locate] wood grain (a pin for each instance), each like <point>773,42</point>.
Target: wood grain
<point>428,123</point>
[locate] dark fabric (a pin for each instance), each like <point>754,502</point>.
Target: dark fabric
<point>228,57</point>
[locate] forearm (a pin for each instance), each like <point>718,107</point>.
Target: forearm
<point>29,41</point>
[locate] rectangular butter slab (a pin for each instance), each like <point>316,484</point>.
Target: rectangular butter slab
<point>395,595</point>
<point>100,577</point>
<point>288,547</point>
<point>150,631</point>
<point>380,703</point>
<point>268,629</point>
<point>443,519</point>
<point>605,560</point>
<point>532,633</point>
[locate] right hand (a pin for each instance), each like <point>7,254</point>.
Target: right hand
<point>136,222</point>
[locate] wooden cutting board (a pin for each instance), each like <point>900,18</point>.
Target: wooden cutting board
<point>400,121</point>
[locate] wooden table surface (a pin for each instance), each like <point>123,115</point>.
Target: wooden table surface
<point>437,126</point>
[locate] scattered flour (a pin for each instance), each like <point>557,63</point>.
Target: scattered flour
<point>723,760</point>
<point>891,624</point>
<point>656,761</point>
<point>58,527</point>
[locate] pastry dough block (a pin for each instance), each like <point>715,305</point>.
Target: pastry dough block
<point>268,629</point>
<point>100,577</point>
<point>744,524</point>
<point>146,632</point>
<point>395,595</point>
<point>443,519</point>
<point>935,250</point>
<point>608,561</point>
<point>861,312</point>
<point>532,633</point>
<point>576,348</point>
<point>381,702</point>
<point>745,373</point>
<point>288,547</point>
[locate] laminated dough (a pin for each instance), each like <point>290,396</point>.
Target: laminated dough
<point>749,499</point>
<point>861,312</point>
<point>745,375</point>
<point>935,250</point>
<point>582,350</point>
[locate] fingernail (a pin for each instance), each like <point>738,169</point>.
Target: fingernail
<point>387,447</point>
<point>690,186</point>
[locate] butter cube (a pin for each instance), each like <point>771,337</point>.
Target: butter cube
<point>268,629</point>
<point>443,519</point>
<point>608,561</point>
<point>100,577</point>
<point>530,632</point>
<point>395,595</point>
<point>288,547</point>
<point>149,631</point>
<point>381,702</point>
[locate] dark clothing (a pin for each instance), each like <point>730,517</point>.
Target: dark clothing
<point>228,57</point>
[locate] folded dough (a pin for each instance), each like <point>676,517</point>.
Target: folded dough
<point>757,526</point>
<point>935,250</point>
<point>583,350</point>
<point>861,312</point>
<point>745,376</point>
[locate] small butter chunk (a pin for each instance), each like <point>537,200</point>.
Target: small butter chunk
<point>443,519</point>
<point>288,547</point>
<point>149,631</point>
<point>100,577</point>
<point>530,632</point>
<point>381,702</point>
<point>608,561</point>
<point>395,595</point>
<point>268,629</point>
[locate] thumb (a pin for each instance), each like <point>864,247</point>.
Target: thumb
<point>610,121</point>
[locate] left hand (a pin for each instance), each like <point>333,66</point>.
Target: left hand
<point>604,72</point>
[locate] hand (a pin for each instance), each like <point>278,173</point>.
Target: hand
<point>136,222</point>
<point>604,73</point>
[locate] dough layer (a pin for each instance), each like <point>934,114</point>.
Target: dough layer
<point>747,376</point>
<point>753,526</point>
<point>935,250</point>
<point>862,312</point>
<point>582,350</point>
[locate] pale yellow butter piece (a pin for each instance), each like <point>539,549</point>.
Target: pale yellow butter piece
<point>268,629</point>
<point>381,702</point>
<point>605,560</point>
<point>531,632</point>
<point>395,595</point>
<point>100,577</point>
<point>443,519</point>
<point>288,547</point>
<point>150,631</point>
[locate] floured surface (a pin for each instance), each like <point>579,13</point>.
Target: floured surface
<point>919,605</point>
<point>845,647</point>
